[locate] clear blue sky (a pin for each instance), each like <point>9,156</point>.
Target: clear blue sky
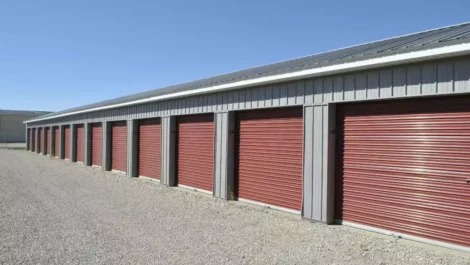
<point>60,54</point>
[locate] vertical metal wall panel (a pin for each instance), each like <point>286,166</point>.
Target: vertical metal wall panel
<point>413,83</point>
<point>67,142</point>
<point>385,83</point>
<point>338,88</point>
<point>56,141</point>
<point>51,141</point>
<point>307,183</point>
<point>327,89</point>
<point>399,81</point>
<point>373,85</point>
<point>318,90</point>
<point>35,140</point>
<point>308,92</point>
<point>62,141</point>
<point>361,85</point>
<point>462,75</point>
<point>168,157</point>
<point>73,142</point>
<point>317,185</point>
<point>445,77</point>
<point>47,140</point>
<point>224,155</point>
<point>28,138</point>
<point>429,79</point>
<point>132,148</point>
<point>39,140</point>
<point>300,93</point>
<point>107,137</point>
<point>87,151</point>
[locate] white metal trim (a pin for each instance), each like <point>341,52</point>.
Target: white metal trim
<point>442,52</point>
<point>405,236</point>
<point>96,166</point>
<point>195,189</point>
<point>118,171</point>
<point>149,178</point>
<point>279,208</point>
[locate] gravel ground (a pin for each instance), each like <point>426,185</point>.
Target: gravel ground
<point>53,212</point>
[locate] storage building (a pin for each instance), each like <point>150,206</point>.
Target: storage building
<point>12,125</point>
<point>375,136</point>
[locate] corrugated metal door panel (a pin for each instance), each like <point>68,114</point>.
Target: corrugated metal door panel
<point>67,142</point>
<point>270,156</point>
<point>195,151</point>
<point>41,140</point>
<point>96,144</point>
<point>119,146</point>
<point>48,132</point>
<point>405,165</point>
<point>80,142</point>
<point>56,141</point>
<point>149,148</point>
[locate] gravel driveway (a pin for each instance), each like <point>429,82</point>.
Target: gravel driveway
<point>53,212</point>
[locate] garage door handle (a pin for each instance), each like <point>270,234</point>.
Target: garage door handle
<point>468,181</point>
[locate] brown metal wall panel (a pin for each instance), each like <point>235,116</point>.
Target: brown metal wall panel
<point>80,142</point>
<point>96,144</point>
<point>195,151</point>
<point>48,132</point>
<point>149,148</point>
<point>56,141</point>
<point>405,167</point>
<point>119,146</point>
<point>41,140</point>
<point>270,156</point>
<point>67,142</point>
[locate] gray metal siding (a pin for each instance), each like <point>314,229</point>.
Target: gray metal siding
<point>106,127</point>
<point>168,140</point>
<point>61,142</point>
<point>87,143</point>
<point>224,151</point>
<point>315,162</point>
<point>73,142</point>
<point>132,147</point>
<point>437,77</point>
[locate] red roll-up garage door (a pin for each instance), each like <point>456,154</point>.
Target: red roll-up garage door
<point>56,141</point>
<point>404,165</point>
<point>96,144</point>
<point>195,151</point>
<point>41,141</point>
<point>270,156</point>
<point>119,146</point>
<point>149,148</point>
<point>67,142</point>
<point>80,142</point>
<point>47,145</point>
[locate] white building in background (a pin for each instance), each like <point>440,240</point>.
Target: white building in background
<point>12,128</point>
